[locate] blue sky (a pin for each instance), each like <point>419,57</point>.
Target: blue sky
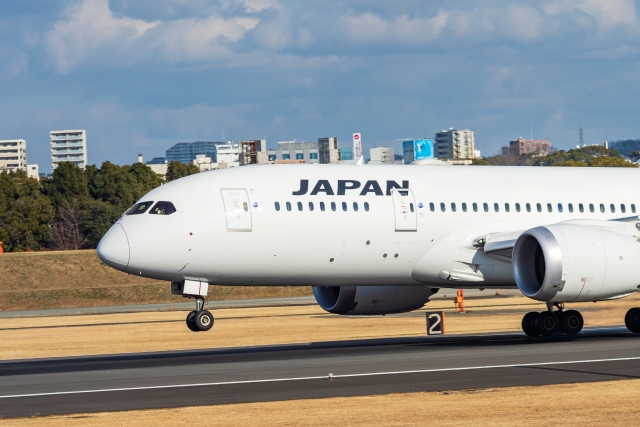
<point>141,75</point>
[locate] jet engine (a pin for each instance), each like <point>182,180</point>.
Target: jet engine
<point>572,262</point>
<point>370,300</point>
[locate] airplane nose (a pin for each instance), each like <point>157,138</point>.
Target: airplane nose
<point>113,249</point>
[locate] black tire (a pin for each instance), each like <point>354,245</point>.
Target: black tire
<point>191,324</point>
<point>203,320</point>
<point>547,323</point>
<point>571,322</point>
<point>632,320</point>
<point>529,324</point>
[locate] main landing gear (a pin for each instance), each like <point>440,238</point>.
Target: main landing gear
<point>570,322</point>
<point>199,319</point>
<point>549,322</point>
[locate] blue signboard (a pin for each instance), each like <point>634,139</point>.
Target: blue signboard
<point>417,149</point>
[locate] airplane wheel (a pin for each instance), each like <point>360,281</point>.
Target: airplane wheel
<point>529,324</point>
<point>203,320</point>
<point>632,320</point>
<point>191,324</point>
<point>571,322</point>
<point>547,323</point>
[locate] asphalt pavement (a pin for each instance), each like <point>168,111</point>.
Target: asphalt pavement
<point>312,370</point>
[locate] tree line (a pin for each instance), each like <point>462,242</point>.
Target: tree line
<point>73,208</point>
<point>594,156</point>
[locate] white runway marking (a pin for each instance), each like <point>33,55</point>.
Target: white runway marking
<point>321,377</point>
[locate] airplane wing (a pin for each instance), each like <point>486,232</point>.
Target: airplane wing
<point>502,243</point>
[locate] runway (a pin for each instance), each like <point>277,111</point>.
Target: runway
<point>300,371</point>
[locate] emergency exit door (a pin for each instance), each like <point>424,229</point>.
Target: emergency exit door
<point>404,205</point>
<point>237,209</point>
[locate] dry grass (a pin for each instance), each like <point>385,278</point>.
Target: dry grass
<point>155,331</point>
<point>588,404</point>
<point>40,280</point>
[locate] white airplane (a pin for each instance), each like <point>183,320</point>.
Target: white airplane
<point>383,239</point>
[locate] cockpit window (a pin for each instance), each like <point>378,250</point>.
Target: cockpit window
<point>139,208</point>
<point>163,208</point>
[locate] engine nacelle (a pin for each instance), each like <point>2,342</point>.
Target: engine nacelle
<point>573,262</point>
<point>370,300</point>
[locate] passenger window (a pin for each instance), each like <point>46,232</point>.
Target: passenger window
<point>633,208</point>
<point>299,206</point>
<point>528,207</point>
<point>570,207</point>
<point>333,206</point>
<point>322,206</point>
<point>560,207</point>
<point>496,207</point>
<point>411,207</point>
<point>355,206</point>
<point>288,206</point>
<point>475,207</point>
<point>311,206</point>
<point>601,207</point>
<point>464,207</point>
<point>581,207</point>
<point>139,208</point>
<point>277,205</point>
<point>538,207</point>
<point>432,207</point>
<point>366,206</point>
<point>167,208</point>
<point>453,207</point>
<point>507,208</point>
<point>613,208</point>
<point>517,207</point>
<point>344,206</point>
<point>623,208</point>
<point>443,207</point>
<point>591,208</point>
<point>485,206</point>
<point>549,207</point>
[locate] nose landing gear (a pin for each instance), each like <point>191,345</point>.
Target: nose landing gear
<point>199,319</point>
<point>549,322</point>
<point>632,320</point>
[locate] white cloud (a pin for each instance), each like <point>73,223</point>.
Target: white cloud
<point>607,13</point>
<point>90,30</point>
<point>368,28</point>
<point>200,39</point>
<point>85,27</point>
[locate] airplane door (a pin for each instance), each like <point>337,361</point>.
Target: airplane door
<point>237,209</point>
<point>405,209</point>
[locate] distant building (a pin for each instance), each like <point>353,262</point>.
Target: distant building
<point>346,153</point>
<point>381,156</point>
<point>328,151</point>
<point>186,152</point>
<point>13,155</point>
<point>477,154</point>
<point>203,163</point>
<point>292,150</point>
<point>252,152</point>
<point>159,165</point>
<point>454,144</point>
<point>525,146</point>
<point>33,171</point>
<point>417,149</point>
<point>68,146</point>
<point>228,156</point>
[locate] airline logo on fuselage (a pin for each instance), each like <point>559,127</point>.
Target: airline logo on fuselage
<point>323,186</point>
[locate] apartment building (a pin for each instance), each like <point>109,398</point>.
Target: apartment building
<point>455,144</point>
<point>13,155</point>
<point>68,146</point>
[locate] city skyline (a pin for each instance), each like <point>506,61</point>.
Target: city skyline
<point>141,76</point>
